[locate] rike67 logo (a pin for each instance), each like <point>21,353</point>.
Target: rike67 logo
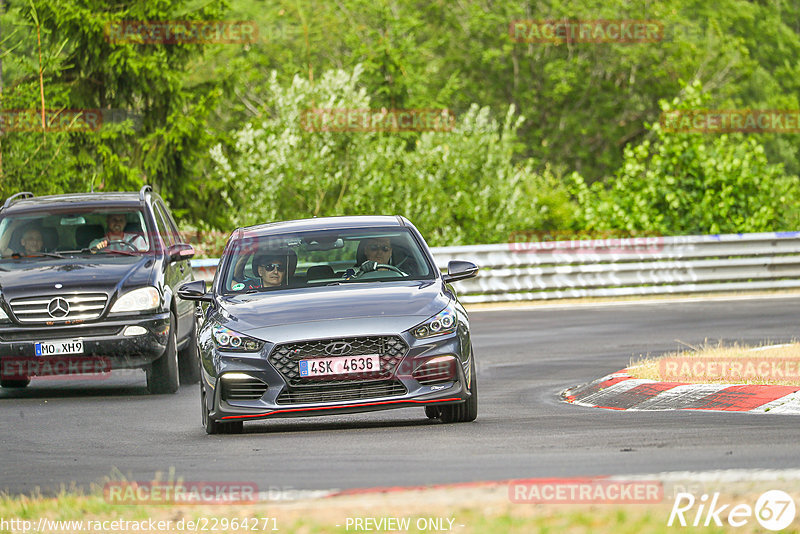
<point>774,510</point>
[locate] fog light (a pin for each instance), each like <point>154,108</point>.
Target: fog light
<point>134,331</point>
<point>435,370</point>
<point>236,376</point>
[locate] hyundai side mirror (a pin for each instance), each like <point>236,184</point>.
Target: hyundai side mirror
<point>459,270</point>
<point>195,291</point>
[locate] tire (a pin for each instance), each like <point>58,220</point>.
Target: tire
<point>433,412</point>
<point>188,363</point>
<point>466,411</point>
<point>216,427</point>
<point>162,376</point>
<point>15,383</point>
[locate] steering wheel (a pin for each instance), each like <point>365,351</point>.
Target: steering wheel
<point>369,266</point>
<point>130,246</point>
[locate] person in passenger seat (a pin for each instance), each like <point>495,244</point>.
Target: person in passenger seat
<point>32,242</point>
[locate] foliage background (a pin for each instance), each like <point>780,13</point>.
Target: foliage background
<point>549,136</point>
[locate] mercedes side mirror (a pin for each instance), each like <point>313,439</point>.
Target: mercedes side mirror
<point>180,251</point>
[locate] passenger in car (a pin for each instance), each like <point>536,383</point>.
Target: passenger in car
<point>32,242</point>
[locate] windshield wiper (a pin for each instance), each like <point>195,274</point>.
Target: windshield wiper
<point>254,290</point>
<point>39,255</point>
<point>123,252</point>
<point>76,251</point>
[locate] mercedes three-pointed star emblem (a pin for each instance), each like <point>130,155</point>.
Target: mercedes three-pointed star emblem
<point>58,308</point>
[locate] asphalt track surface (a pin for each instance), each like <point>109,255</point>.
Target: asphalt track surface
<point>56,433</point>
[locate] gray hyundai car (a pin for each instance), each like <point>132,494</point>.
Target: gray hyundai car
<point>330,316</point>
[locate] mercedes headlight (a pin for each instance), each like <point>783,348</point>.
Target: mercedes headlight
<point>227,339</point>
<point>3,315</point>
<point>138,300</point>
<point>444,322</point>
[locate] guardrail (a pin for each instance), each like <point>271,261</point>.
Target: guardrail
<point>619,267</point>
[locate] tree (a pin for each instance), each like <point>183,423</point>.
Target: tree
<point>692,183</point>
<point>459,186</point>
<point>154,128</point>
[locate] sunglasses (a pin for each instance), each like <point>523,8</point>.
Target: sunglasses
<point>376,248</point>
<point>274,266</point>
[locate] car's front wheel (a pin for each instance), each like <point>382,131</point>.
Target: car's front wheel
<point>433,412</point>
<point>162,376</point>
<point>466,411</point>
<point>216,427</point>
<point>188,366</point>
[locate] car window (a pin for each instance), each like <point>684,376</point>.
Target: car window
<point>67,231</point>
<point>325,257</point>
<point>172,228</point>
<point>163,227</point>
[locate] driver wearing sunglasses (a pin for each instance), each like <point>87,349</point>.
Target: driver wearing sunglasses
<point>271,270</point>
<point>378,249</point>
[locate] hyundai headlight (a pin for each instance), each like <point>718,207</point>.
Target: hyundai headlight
<point>138,300</point>
<point>3,315</point>
<point>444,322</point>
<point>227,339</point>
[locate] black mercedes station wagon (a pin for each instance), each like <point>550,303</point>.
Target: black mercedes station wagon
<point>87,285</point>
<point>330,316</point>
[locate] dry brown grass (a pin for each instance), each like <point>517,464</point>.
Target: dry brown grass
<point>735,364</point>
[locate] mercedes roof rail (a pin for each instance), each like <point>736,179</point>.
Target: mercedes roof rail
<point>18,196</point>
<point>144,190</point>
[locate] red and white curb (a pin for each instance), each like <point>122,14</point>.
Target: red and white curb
<point>620,391</point>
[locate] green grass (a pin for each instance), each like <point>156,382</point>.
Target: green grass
<point>491,513</point>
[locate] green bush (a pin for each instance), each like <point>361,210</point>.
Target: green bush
<point>460,186</point>
<point>691,183</point>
